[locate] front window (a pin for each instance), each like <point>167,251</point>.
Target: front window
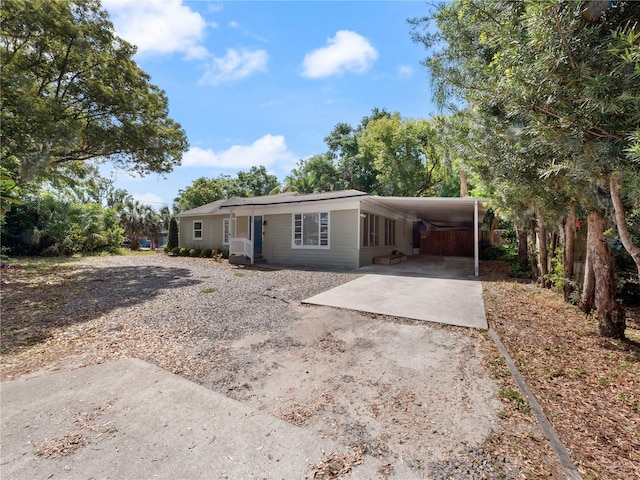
<point>197,229</point>
<point>226,231</point>
<point>389,232</point>
<point>370,227</point>
<point>311,230</point>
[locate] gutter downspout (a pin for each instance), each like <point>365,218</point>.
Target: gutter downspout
<point>476,253</point>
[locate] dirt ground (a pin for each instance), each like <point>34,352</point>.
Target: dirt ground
<point>390,389</point>
<point>437,399</point>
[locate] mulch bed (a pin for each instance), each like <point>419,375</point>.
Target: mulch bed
<point>588,386</point>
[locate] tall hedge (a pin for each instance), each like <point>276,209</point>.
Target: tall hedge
<point>172,241</point>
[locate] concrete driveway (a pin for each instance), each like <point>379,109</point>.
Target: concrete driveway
<point>433,289</point>
<point>131,419</point>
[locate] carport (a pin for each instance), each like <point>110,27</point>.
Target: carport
<point>448,216</point>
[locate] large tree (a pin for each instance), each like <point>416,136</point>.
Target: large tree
<point>256,182</point>
<point>567,87</point>
<point>71,92</point>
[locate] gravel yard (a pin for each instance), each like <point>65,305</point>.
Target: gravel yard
<point>410,393</point>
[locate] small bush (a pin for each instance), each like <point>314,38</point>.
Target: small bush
<point>206,253</point>
<point>184,252</point>
<point>166,249</point>
<point>195,252</point>
<point>223,251</point>
<point>176,251</point>
<point>516,271</point>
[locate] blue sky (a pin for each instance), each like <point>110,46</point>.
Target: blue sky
<point>262,83</point>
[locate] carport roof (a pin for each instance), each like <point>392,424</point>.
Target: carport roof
<point>439,211</point>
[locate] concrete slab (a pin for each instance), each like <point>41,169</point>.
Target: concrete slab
<point>444,300</point>
<point>131,419</point>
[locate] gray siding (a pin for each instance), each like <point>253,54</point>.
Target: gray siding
<point>342,241</point>
<point>211,232</point>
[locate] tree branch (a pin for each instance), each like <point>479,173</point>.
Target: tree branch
<point>593,131</point>
<point>564,41</point>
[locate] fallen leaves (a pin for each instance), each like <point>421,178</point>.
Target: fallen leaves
<point>588,386</point>
<point>62,446</point>
<point>336,464</point>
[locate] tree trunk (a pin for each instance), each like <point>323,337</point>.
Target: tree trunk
<point>523,255</point>
<point>611,322</point>
<point>588,286</point>
<point>464,187</point>
<point>569,245</point>
<point>621,222</point>
<point>531,250</point>
<point>543,254</point>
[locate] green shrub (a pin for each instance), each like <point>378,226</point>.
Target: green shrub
<point>195,252</point>
<point>184,252</point>
<point>516,271</point>
<point>176,251</point>
<point>206,253</point>
<point>172,241</point>
<point>166,249</point>
<point>223,251</point>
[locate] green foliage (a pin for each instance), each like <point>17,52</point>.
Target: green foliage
<point>256,182</point>
<point>220,253</point>
<point>139,220</point>
<point>514,396</point>
<point>207,252</point>
<point>7,192</point>
<point>172,241</point>
<point>176,251</point>
<point>502,252</point>
<point>45,224</point>
<point>184,252</point>
<point>72,92</point>
<point>556,272</point>
<point>519,271</point>
<point>203,190</point>
<point>195,252</point>
<point>315,174</point>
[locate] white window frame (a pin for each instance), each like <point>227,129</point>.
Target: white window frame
<point>226,231</point>
<point>201,229</point>
<point>297,231</point>
<point>371,230</point>
<point>389,232</point>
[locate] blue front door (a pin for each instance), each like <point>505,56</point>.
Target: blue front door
<point>257,235</point>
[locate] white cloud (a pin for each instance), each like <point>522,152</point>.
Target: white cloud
<point>149,199</point>
<point>405,71</point>
<point>159,27</point>
<point>346,52</point>
<point>235,65</point>
<point>268,150</point>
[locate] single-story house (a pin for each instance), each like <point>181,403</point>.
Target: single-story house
<point>344,228</point>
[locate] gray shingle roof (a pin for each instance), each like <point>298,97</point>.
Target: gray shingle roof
<point>279,199</point>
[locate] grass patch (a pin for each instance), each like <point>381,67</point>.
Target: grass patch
<point>520,403</point>
<point>238,274</point>
<point>208,290</point>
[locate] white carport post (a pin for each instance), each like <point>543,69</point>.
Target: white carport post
<point>476,255</point>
